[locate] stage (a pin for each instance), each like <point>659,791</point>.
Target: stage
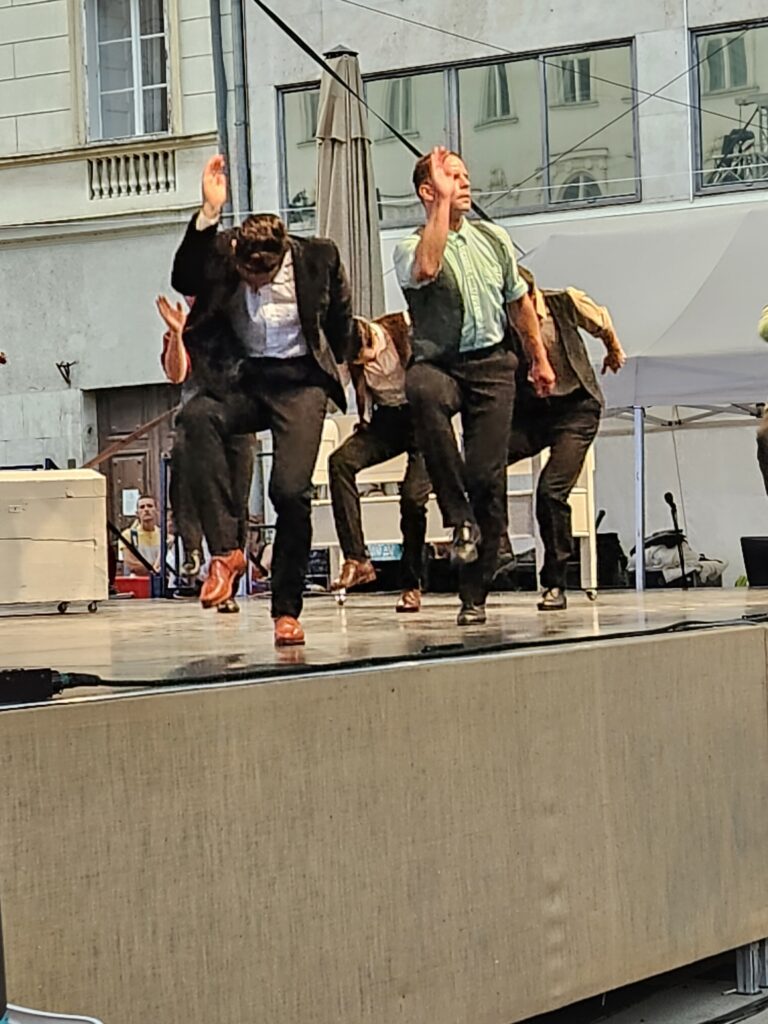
<point>403,821</point>
<point>156,642</point>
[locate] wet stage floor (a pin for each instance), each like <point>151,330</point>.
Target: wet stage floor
<point>175,642</point>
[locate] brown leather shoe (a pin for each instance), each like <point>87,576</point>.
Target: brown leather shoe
<point>410,601</point>
<point>223,576</point>
<point>288,632</point>
<point>354,574</point>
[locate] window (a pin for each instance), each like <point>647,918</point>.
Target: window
<point>732,115</point>
<point>608,158</point>
<point>580,188</point>
<point>398,107</point>
<point>127,68</point>
<point>504,154</point>
<point>574,82</point>
<point>299,115</point>
<point>496,103</point>
<point>520,124</point>
<point>415,105</point>
<point>725,63</point>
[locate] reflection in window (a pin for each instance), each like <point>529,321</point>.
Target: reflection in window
<point>733,109</point>
<point>399,107</point>
<point>496,103</point>
<point>503,149</point>
<point>414,104</point>
<point>580,187</point>
<point>608,159</point>
<point>574,82</point>
<point>300,127</point>
<point>725,63</point>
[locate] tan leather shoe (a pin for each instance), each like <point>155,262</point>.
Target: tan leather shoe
<point>410,601</point>
<point>288,632</point>
<point>354,574</point>
<point>223,577</point>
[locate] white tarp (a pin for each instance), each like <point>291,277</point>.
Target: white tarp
<point>685,290</point>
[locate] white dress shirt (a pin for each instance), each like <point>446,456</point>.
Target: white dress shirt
<point>273,310</point>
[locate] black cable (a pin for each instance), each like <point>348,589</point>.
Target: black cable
<point>542,60</point>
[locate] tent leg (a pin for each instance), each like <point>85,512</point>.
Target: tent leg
<point>639,416</point>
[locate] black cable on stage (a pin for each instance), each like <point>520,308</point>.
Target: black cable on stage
<point>318,59</point>
<point>543,60</point>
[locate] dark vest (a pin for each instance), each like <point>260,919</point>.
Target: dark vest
<point>560,305</point>
<point>437,309</point>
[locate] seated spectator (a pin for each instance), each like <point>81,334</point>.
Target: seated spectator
<point>144,535</point>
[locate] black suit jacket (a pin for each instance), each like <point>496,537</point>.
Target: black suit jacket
<point>202,268</point>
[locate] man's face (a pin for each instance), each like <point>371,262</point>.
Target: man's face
<point>462,196</point>
<point>147,513</point>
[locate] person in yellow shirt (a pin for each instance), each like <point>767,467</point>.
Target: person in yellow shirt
<point>144,535</point>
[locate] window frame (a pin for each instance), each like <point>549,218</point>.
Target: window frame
<point>450,72</point>
<point>698,98</point>
<point>94,129</point>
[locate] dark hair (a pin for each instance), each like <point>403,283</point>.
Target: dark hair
<point>423,167</point>
<point>260,242</point>
<point>146,497</point>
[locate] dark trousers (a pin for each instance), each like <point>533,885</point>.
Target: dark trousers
<point>288,397</point>
<point>184,497</point>
<point>567,426</point>
<point>389,434</point>
<point>471,489</point>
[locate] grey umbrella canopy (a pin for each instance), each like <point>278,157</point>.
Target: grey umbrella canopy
<point>347,211</point>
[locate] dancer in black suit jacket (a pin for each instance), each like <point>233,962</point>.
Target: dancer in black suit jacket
<point>280,306</point>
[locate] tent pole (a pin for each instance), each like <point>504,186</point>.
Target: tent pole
<point>639,417</point>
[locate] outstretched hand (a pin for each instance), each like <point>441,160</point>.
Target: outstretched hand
<point>443,182</point>
<point>214,185</point>
<point>174,316</point>
<point>614,360</point>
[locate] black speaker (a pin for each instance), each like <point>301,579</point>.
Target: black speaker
<point>754,551</point>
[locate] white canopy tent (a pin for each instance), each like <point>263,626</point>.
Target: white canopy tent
<point>685,290</point>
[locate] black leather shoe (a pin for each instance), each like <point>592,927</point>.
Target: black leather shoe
<point>464,546</point>
<point>471,615</point>
<point>553,600</point>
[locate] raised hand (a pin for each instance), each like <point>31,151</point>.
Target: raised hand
<point>443,182</point>
<point>174,316</point>
<point>214,186</point>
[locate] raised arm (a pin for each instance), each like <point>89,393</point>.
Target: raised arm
<point>175,358</point>
<point>191,260</point>
<point>596,320</point>
<point>428,259</point>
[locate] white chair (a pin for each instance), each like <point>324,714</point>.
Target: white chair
<point>21,1015</point>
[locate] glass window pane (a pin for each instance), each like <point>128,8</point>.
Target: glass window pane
<point>300,120</point>
<point>117,120</point>
<point>733,125</point>
<point>415,105</point>
<point>151,17</point>
<point>153,61</point>
<point>155,110</point>
<point>579,104</point>
<point>115,66</point>
<point>503,152</point>
<point>113,19</point>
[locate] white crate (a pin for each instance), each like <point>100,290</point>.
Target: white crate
<point>53,536</point>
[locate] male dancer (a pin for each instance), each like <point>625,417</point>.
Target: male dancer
<point>283,304</point>
<point>384,431</point>
<point>204,377</point>
<point>462,286</point>
<point>566,421</point>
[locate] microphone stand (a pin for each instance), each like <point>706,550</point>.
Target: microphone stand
<point>678,536</point>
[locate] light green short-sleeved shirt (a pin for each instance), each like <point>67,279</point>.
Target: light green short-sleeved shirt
<point>486,287</point>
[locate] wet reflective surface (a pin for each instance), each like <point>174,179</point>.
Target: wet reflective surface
<point>175,642</point>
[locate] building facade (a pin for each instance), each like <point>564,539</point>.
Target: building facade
<point>569,117</point>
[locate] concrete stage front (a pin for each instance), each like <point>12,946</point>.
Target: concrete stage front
<point>384,827</point>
